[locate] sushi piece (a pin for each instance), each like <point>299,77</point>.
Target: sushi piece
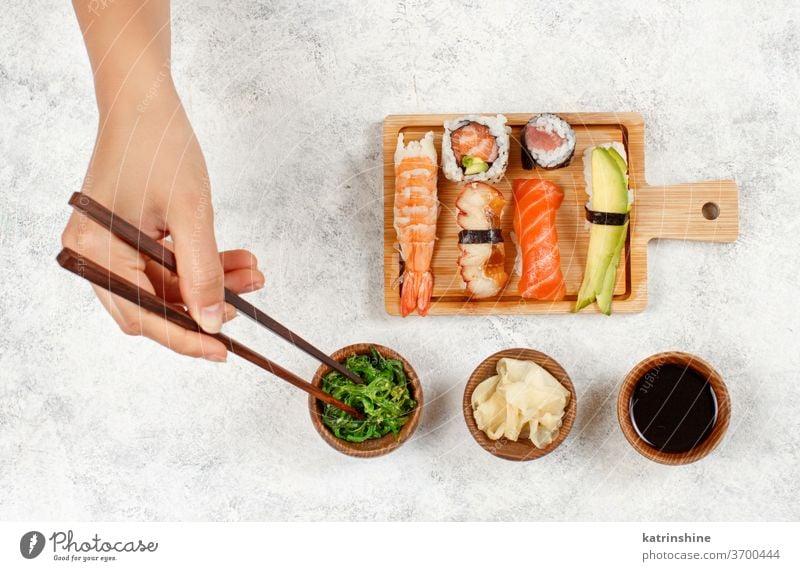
<point>482,260</point>
<point>535,205</point>
<point>475,148</point>
<point>416,209</point>
<point>606,172</point>
<point>547,141</point>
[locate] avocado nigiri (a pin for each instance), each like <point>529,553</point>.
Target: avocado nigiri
<point>608,208</point>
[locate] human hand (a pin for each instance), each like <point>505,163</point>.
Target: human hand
<point>148,168</point>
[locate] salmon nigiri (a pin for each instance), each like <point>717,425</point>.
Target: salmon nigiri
<point>535,205</point>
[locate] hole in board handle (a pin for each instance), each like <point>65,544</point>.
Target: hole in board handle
<point>710,211</point>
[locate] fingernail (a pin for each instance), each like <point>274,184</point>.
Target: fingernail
<point>253,287</point>
<point>216,358</point>
<point>211,318</point>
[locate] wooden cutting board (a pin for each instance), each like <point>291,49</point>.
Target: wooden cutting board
<point>694,211</point>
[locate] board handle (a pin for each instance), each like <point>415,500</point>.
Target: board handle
<point>707,211</point>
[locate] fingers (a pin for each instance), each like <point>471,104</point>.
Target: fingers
<point>241,271</point>
<point>238,259</point>
<point>241,275</point>
<point>230,313</point>
<point>110,252</point>
<point>133,320</point>
<point>236,269</point>
<point>231,259</point>
<point>200,274</point>
<point>244,280</point>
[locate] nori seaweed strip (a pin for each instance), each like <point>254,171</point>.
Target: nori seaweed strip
<point>527,159</point>
<point>492,236</point>
<point>605,218</point>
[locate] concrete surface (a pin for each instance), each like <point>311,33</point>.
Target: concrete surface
<point>287,99</point>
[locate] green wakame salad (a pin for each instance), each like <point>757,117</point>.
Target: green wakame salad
<point>384,398</point>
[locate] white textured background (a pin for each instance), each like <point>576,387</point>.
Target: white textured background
<point>287,99</point>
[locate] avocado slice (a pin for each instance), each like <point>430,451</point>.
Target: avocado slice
<point>609,186</point>
<point>623,166</point>
<point>609,194</point>
<point>606,293</point>
<point>474,165</point>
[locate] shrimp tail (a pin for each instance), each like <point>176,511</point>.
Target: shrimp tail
<point>424,293</point>
<point>408,297</point>
<point>416,292</point>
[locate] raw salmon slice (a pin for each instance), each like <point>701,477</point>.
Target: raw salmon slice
<point>474,140</point>
<point>535,205</point>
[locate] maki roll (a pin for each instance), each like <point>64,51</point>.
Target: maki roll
<point>547,141</point>
<point>475,148</point>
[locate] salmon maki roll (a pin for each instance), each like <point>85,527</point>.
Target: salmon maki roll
<point>535,205</point>
<point>475,148</point>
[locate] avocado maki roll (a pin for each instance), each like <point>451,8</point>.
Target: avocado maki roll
<point>547,141</point>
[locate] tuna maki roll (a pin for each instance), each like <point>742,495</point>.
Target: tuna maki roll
<point>547,141</point>
<point>475,148</point>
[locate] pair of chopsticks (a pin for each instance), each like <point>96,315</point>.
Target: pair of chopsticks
<point>83,267</point>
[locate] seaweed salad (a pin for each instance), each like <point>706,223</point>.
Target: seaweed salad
<point>384,398</point>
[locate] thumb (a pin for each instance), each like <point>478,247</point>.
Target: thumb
<point>200,275</point>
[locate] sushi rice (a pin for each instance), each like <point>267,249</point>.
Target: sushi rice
<point>498,129</point>
<point>517,269</point>
<point>422,148</point>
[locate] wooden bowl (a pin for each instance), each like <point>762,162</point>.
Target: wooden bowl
<point>377,446</point>
<point>717,386</point>
<point>523,449</point>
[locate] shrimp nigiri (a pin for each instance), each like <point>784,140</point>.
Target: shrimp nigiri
<point>416,209</point>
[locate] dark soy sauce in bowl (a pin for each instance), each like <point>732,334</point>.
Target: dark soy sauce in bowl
<point>673,408</point>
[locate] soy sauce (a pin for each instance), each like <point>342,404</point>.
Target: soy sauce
<point>673,408</point>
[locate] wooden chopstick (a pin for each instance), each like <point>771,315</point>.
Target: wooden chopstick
<point>84,267</point>
<point>135,238</point>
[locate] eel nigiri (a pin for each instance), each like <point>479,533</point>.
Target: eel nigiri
<point>482,258</point>
<point>416,209</point>
<point>536,202</point>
